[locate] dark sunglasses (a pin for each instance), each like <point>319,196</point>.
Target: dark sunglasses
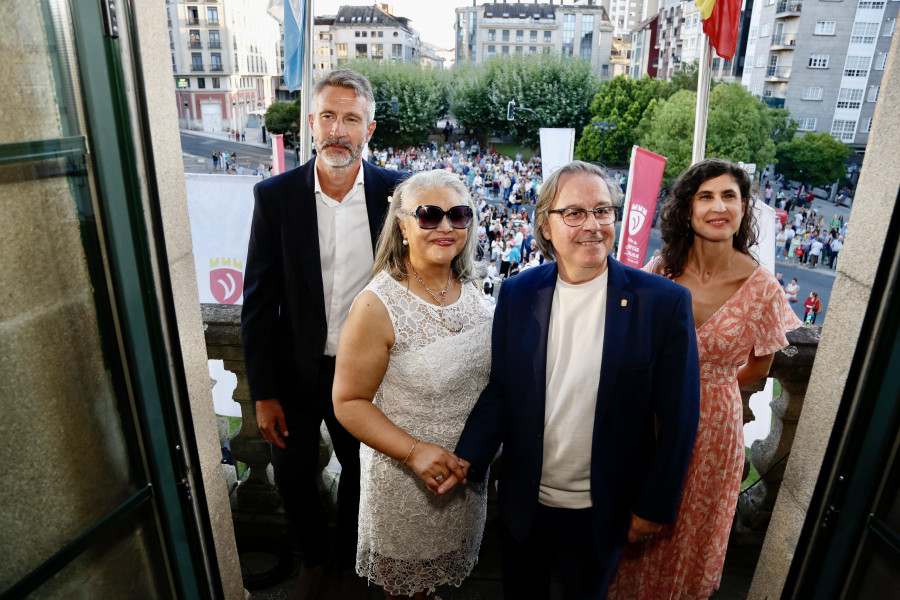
<point>429,217</point>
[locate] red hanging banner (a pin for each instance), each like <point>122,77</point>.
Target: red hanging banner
<point>644,179</point>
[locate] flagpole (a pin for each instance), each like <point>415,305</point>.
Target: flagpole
<point>702,111</point>
<point>306,83</point>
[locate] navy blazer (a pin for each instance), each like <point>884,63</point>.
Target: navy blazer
<point>283,325</point>
<point>647,403</point>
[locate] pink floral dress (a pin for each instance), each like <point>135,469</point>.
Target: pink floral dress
<point>684,561</point>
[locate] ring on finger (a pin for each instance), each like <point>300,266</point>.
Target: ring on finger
<point>439,478</point>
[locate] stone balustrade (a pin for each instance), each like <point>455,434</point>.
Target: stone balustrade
<point>256,493</point>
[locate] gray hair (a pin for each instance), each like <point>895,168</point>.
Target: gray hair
<point>550,190</point>
<point>351,80</point>
<point>390,254</point>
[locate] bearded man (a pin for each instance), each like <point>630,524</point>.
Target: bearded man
<point>311,252</point>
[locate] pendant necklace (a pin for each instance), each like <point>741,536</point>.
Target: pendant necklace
<point>455,325</point>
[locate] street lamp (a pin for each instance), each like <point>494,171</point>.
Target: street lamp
<point>294,127</point>
<point>603,126</point>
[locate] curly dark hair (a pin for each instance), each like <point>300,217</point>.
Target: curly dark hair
<point>675,215</point>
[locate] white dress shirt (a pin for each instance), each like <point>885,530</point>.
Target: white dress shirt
<point>345,250</point>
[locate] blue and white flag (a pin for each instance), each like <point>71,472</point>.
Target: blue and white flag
<point>294,21</point>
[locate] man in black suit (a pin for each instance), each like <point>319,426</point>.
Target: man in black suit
<point>311,252</point>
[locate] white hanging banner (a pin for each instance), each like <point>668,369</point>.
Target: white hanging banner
<point>220,208</point>
<point>557,149</point>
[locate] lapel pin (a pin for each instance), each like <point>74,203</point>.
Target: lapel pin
<point>624,302</point>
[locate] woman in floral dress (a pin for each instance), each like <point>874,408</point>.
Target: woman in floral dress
<point>741,315</point>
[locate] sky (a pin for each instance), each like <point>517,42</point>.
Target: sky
<point>433,19</point>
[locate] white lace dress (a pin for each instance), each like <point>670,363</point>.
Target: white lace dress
<point>411,540</point>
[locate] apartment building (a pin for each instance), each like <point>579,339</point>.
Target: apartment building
<point>644,49</point>
<point>680,38</point>
<point>224,60</point>
<point>370,32</point>
<point>581,30</point>
<point>823,60</point>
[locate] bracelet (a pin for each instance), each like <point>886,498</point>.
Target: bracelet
<point>408,454</point>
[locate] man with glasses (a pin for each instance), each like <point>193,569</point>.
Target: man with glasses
<point>597,427</point>
<point>311,252</point>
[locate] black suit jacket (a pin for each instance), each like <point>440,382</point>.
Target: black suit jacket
<point>283,325</point>
<point>648,402</point>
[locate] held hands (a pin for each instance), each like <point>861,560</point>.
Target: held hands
<point>641,529</point>
<point>270,419</point>
<point>439,468</point>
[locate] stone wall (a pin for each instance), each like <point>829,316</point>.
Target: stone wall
<point>165,145</point>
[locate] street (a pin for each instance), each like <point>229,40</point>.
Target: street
<point>197,151</point>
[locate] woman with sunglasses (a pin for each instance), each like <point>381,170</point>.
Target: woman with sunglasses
<point>413,358</point>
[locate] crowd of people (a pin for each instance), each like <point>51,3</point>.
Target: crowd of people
<point>613,393</point>
<point>807,239</point>
<point>504,190</point>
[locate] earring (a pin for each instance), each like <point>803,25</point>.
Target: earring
<point>405,243</point>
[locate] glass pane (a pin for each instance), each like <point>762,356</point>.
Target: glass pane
<point>123,564</point>
<point>879,576</point>
<point>67,441</point>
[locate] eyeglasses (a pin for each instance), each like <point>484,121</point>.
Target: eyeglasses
<point>575,217</point>
<point>430,217</point>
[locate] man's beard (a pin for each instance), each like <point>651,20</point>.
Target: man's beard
<point>335,160</point>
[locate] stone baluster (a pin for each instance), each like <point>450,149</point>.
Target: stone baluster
<point>256,492</point>
<point>792,367</point>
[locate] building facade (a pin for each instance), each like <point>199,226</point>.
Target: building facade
<point>224,60</point>
<point>823,60</point>
<point>366,32</point>
<point>680,38</point>
<point>507,29</point>
<point>644,50</point>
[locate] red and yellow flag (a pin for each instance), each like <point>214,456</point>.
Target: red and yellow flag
<point>720,22</point>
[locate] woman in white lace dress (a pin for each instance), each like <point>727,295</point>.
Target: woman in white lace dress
<point>413,357</point>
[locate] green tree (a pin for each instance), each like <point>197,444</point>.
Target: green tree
<point>784,127</point>
<point>624,101</point>
<point>739,126</point>
<point>669,131</point>
<point>280,116</point>
<point>471,102</point>
<point>558,90</point>
<point>422,95</point>
<point>686,77</point>
<point>814,158</point>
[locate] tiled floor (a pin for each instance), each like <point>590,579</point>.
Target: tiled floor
<point>484,583</point>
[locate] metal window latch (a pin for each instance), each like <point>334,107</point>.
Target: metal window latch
<point>832,513</point>
<point>110,17</point>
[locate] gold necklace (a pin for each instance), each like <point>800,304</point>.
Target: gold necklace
<point>455,325</point>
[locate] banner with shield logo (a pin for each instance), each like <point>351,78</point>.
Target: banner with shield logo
<point>644,179</point>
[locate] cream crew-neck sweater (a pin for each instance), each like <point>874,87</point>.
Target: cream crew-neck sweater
<point>574,358</point>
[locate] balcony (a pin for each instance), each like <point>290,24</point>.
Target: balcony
<point>195,45</point>
<point>784,41</point>
<point>218,68</point>
<point>778,73</point>
<point>256,504</point>
<point>773,102</point>
<point>193,21</point>
<point>215,45</point>
<point>788,8</point>
<point>197,67</point>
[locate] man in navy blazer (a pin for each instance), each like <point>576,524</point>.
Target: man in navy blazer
<point>311,251</point>
<point>598,424</point>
